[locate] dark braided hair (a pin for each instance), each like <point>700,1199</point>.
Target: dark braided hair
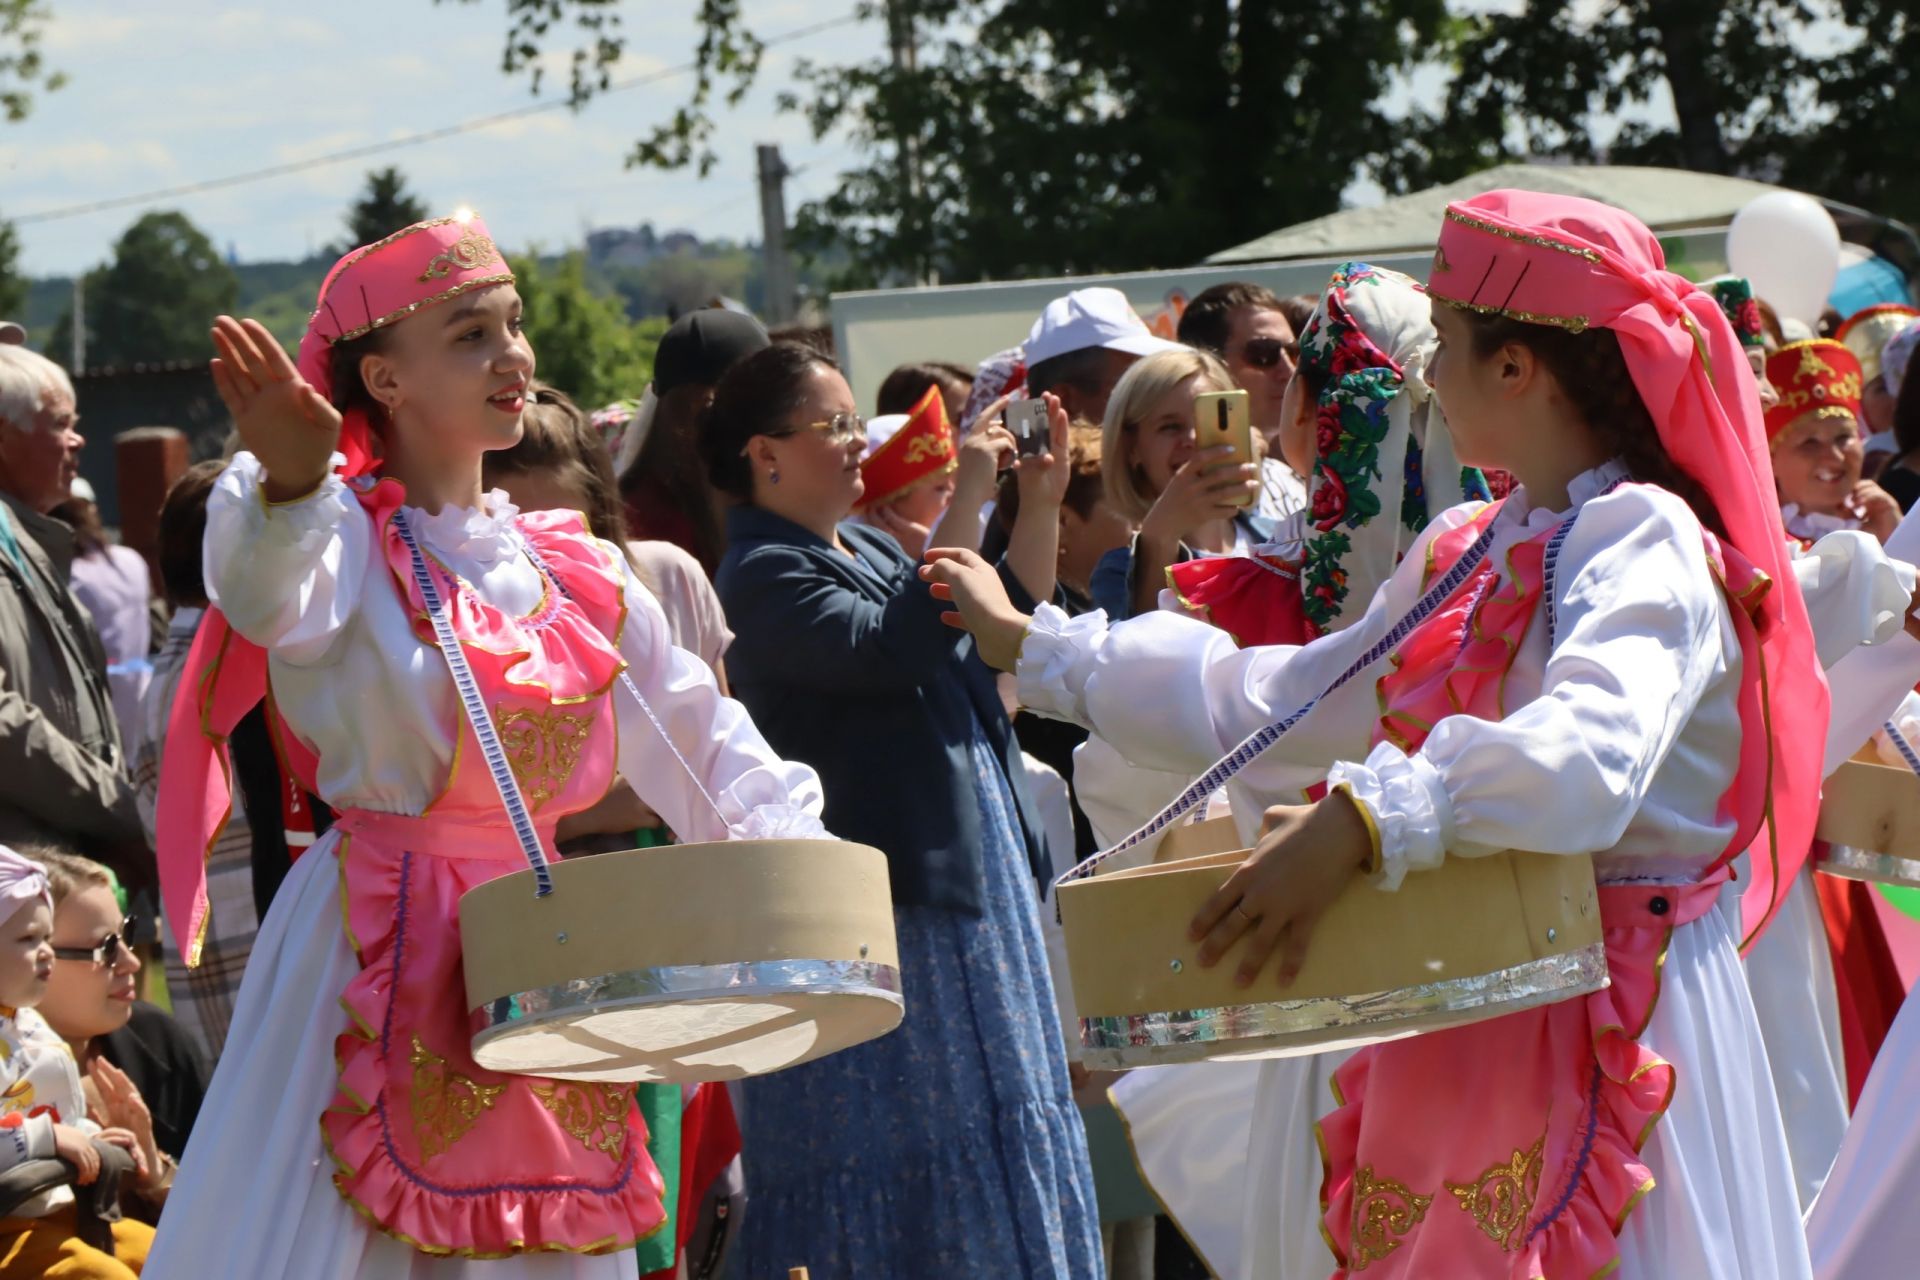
<point>1592,374</point>
<point>349,388</point>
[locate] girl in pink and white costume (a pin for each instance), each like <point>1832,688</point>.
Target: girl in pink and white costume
<point>1522,1146</point>
<point>348,1132</point>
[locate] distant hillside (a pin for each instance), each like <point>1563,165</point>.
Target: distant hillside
<point>673,272</point>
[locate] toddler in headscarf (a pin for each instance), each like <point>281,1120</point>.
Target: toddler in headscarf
<point>43,1113</point>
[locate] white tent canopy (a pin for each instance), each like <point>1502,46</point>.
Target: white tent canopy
<point>1665,199</point>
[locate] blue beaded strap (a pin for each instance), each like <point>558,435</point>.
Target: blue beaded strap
<point>1251,749</point>
<point>1904,747</point>
<point>476,709</point>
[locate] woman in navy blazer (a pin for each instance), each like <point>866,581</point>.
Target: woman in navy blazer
<point>951,1146</point>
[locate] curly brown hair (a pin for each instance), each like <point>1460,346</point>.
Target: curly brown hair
<point>1592,373</point>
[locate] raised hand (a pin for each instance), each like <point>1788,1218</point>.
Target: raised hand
<point>282,420</point>
<point>980,602</point>
<point>126,1112</point>
<point>1044,477</point>
<point>1208,486</point>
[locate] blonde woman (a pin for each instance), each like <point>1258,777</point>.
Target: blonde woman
<point>1188,501</point>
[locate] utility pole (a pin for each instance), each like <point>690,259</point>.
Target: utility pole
<point>80,322</point>
<point>906,61</point>
<point>773,235</point>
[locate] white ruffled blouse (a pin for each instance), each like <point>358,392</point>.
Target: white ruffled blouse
<point>1619,742</point>
<point>308,581</point>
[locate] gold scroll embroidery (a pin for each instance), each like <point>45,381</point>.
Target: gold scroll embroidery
<point>595,1114</point>
<point>542,748</point>
<point>921,448</point>
<point>1501,1199</point>
<point>446,1104</point>
<point>1384,1211</point>
<point>469,251</point>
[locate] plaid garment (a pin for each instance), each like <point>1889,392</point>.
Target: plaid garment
<point>203,997</point>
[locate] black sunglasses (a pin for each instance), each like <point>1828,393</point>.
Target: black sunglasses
<point>1265,353</point>
<point>107,950</point>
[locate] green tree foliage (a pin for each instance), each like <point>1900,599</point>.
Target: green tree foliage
<point>13,285</point>
<point>21,67</point>
<point>383,208</point>
<point>1019,137</point>
<point>582,340</point>
<point>158,296</point>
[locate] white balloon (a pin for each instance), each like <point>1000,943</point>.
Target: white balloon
<point>1786,244</point>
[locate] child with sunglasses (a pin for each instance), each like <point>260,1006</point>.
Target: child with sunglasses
<point>43,1108</point>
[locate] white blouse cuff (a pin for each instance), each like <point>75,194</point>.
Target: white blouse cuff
<point>1406,803</point>
<point>779,822</point>
<point>1056,660</point>
<point>300,522</point>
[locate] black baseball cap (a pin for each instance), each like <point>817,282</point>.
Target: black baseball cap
<point>702,345</point>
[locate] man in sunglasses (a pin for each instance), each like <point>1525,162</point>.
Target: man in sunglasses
<point>1245,325</point>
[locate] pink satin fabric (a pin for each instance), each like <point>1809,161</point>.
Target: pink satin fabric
<point>436,1150</point>
<point>1580,263</point>
<point>1507,1148</point>
<point>1255,599</point>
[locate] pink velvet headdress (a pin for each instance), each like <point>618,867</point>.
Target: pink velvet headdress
<point>383,283</point>
<point>1578,264</point>
<point>225,675</point>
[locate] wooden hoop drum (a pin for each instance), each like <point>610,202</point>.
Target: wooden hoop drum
<point>1870,820</point>
<point>683,963</point>
<point>1472,939</point>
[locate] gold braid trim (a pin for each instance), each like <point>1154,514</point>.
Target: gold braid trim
<point>1524,237</point>
<point>1572,324</point>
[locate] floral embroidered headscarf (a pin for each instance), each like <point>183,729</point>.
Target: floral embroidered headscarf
<point>1380,469</point>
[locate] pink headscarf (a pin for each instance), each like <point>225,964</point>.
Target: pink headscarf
<point>225,675</point>
<point>1579,264</point>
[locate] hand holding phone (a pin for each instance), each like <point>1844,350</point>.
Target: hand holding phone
<point>1027,420</point>
<point>1224,418</point>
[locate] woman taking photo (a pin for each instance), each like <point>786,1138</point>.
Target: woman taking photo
<point>1189,502</point>
<point>950,1147</point>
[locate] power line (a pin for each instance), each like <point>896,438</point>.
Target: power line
<point>395,144</point>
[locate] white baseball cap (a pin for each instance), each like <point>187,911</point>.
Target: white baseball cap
<point>1091,318</point>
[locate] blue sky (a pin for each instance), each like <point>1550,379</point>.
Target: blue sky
<point>168,92</point>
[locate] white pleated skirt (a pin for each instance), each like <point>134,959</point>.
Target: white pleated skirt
<point>1230,1150</point>
<point>255,1193</point>
<point>1864,1225</point>
<point>1790,976</point>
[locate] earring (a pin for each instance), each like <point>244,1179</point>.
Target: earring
<point>773,475</point>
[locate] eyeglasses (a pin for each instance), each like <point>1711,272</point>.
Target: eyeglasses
<point>107,950</point>
<point>1265,353</point>
<point>840,429</point>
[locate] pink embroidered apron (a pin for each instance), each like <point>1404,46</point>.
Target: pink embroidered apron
<point>1507,1148</point>
<point>435,1150</point>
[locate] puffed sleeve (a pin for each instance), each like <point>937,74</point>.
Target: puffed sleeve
<point>694,756</point>
<point>1856,593</point>
<point>287,575</point>
<point>1173,693</point>
<point>1639,640</point>
<point>1867,684</point>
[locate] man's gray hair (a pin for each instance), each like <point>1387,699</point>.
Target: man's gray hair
<point>25,379</point>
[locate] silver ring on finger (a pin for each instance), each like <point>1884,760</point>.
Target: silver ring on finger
<point>1253,922</point>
